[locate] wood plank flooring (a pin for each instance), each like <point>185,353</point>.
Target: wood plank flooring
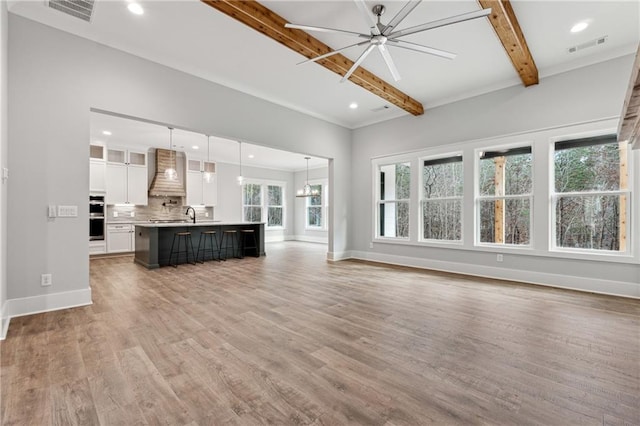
<point>291,339</point>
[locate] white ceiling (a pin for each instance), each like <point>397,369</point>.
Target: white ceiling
<point>190,36</point>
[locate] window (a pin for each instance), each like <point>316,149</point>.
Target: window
<point>263,202</point>
<point>442,187</point>
<point>252,202</point>
<point>274,206</point>
<point>505,196</point>
<point>591,197</point>
<point>317,206</point>
<point>393,203</point>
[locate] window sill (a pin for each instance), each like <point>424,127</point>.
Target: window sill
<point>521,251</point>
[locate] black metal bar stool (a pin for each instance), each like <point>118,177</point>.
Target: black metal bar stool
<point>251,234</point>
<point>229,236</point>
<point>202,246</point>
<point>188,244</point>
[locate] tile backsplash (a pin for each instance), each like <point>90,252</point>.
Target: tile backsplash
<point>159,208</point>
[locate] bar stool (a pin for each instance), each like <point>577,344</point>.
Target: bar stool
<point>229,236</point>
<point>202,245</point>
<point>188,243</point>
<point>244,234</point>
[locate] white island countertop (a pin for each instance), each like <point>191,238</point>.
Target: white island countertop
<point>191,224</point>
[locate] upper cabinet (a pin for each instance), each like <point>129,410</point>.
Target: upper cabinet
<point>126,177</point>
<point>97,168</point>
<point>202,183</point>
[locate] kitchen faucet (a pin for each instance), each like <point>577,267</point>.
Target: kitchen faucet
<point>194,213</point>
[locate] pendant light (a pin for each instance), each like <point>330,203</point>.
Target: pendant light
<point>306,190</point>
<point>207,175</point>
<point>170,173</point>
<point>240,178</point>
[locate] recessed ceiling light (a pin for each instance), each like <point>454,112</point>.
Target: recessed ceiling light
<point>251,155</point>
<point>195,147</point>
<point>106,133</point>
<point>135,8</point>
<point>580,26</point>
<point>353,105</point>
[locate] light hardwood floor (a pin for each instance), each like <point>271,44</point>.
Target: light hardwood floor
<point>292,339</point>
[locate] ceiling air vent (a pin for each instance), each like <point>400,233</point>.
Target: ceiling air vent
<point>78,8</point>
<point>382,108</point>
<point>591,43</point>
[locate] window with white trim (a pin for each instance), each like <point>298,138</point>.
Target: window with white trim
<point>264,202</point>
<point>252,202</point>
<point>505,197</point>
<point>394,193</point>
<point>442,189</point>
<point>316,206</point>
<point>275,206</point>
<point>591,197</point>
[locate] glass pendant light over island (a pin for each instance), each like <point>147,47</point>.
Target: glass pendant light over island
<point>207,175</point>
<point>240,178</point>
<point>170,173</point>
<point>306,190</point>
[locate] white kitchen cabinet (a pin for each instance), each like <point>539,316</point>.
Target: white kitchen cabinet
<point>126,177</point>
<point>120,238</point>
<point>97,168</point>
<point>97,176</point>
<point>201,191</point>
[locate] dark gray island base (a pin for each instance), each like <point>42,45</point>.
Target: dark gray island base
<point>153,240</point>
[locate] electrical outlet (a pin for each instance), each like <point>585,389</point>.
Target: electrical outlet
<point>133,214</point>
<point>499,258</point>
<point>206,214</point>
<point>115,214</point>
<point>46,280</point>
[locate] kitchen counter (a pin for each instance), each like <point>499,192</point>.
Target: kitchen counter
<point>153,240</point>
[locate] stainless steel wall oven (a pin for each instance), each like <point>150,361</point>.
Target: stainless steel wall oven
<point>96,217</point>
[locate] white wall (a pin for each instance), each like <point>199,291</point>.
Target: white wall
<point>3,163</point>
<point>55,79</point>
<point>583,95</point>
<point>302,233</point>
<point>229,207</point>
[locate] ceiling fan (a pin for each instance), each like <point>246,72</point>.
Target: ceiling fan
<point>382,35</point>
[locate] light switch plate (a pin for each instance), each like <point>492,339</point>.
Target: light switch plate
<point>51,212</point>
<point>67,211</point>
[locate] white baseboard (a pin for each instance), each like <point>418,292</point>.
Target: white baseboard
<point>4,321</point>
<point>609,287</point>
<point>335,256</point>
<point>43,303</point>
<point>311,239</point>
<point>274,238</point>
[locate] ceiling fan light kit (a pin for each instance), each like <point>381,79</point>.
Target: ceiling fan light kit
<point>381,36</point>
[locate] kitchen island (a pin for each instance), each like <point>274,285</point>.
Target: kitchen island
<point>153,240</point>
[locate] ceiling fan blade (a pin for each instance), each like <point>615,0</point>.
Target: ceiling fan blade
<point>325,30</point>
<point>441,23</point>
<point>421,48</point>
<point>368,15</point>
<point>333,52</point>
<point>389,61</point>
<point>357,63</point>
<point>400,16</point>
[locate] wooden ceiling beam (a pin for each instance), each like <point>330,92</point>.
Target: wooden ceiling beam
<point>505,23</point>
<point>261,19</point>
<point>629,127</point>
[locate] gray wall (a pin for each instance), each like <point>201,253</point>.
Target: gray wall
<point>229,207</point>
<point>3,160</point>
<point>301,233</point>
<point>55,79</point>
<point>590,93</point>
